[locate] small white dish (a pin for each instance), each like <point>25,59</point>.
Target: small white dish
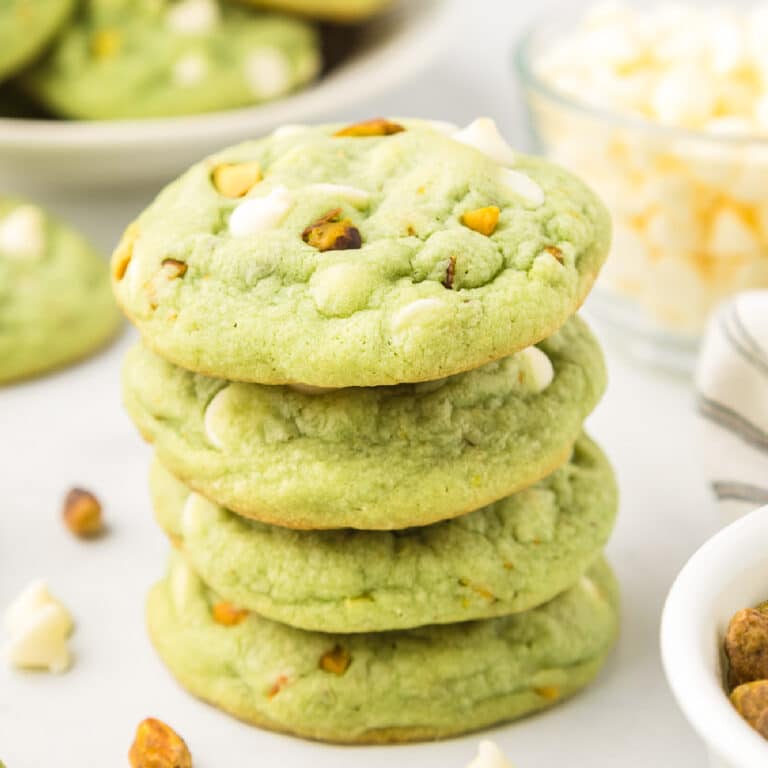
<point>38,156</point>
<point>726,574</point>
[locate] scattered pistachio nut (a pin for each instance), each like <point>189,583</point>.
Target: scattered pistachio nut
<point>157,745</point>
<point>106,43</point>
<point>236,179</point>
<point>555,252</point>
<point>746,646</point>
<point>82,513</point>
<point>332,233</point>
<point>336,661</point>
<point>228,615</point>
<point>482,220</point>
<point>174,268</point>
<point>378,126</point>
<point>124,251</point>
<point>751,701</point>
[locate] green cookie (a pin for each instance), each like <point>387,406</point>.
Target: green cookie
<point>508,557</point>
<point>360,260</point>
<point>393,686</point>
<point>55,301</point>
<point>373,458</point>
<point>332,10</point>
<point>150,58</point>
<point>26,26</point>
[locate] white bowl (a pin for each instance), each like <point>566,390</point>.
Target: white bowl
<point>38,156</point>
<point>728,573</point>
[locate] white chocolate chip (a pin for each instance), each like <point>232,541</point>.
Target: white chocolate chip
<point>22,232</point>
<point>190,70</point>
<point>341,289</point>
<point>540,367</point>
<point>523,186</point>
<point>268,72</point>
<point>192,17</point>
<point>360,198</point>
<point>257,214</point>
<point>731,234</point>
<point>38,626</point>
<point>489,756</point>
<point>197,515</point>
<point>183,583</point>
<point>212,413</point>
<point>685,96</point>
<point>417,312</point>
<point>590,588</point>
<point>483,134</point>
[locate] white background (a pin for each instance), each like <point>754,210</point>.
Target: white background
<point>69,429</point>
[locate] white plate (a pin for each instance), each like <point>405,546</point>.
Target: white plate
<point>38,156</point>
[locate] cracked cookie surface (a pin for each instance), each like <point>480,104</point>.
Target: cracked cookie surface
<point>417,684</point>
<point>448,251</point>
<point>505,558</point>
<point>55,301</point>
<point>155,58</point>
<point>370,458</point>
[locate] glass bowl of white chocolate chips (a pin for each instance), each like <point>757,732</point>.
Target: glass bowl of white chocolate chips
<point>663,110</point>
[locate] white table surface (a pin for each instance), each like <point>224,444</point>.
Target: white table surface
<point>68,429</point>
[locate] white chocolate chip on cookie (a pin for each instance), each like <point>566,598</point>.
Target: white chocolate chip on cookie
<point>483,134</point>
<point>22,232</point>
<point>192,17</point>
<point>257,214</point>
<point>268,72</point>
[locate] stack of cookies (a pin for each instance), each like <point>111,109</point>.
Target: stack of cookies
<point>365,386</point>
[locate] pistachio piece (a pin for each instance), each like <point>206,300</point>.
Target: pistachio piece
<point>174,268</point>
<point>378,126</point>
<point>123,254</point>
<point>482,220</point>
<point>106,43</point>
<point>555,252</point>
<point>228,615</point>
<point>548,692</point>
<point>277,686</point>
<point>751,701</point>
<point>332,233</point>
<point>157,745</point>
<point>82,513</point>
<point>450,273</point>
<point>336,661</point>
<point>746,646</point>
<point>236,179</point>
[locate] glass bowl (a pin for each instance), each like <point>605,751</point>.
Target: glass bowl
<point>689,208</point>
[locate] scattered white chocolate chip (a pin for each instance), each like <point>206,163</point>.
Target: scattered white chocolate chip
<point>192,17</point>
<point>212,412</point>
<point>489,756</point>
<point>540,366</point>
<point>257,214</point>
<point>339,290</point>
<point>308,389</point>
<point>523,186</point>
<point>190,70</point>
<point>483,134</point>
<point>22,232</point>
<point>268,72</point>
<point>38,626</point>
<point>416,312</point>
<point>360,198</point>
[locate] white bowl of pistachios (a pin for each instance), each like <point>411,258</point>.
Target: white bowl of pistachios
<point>728,574</point>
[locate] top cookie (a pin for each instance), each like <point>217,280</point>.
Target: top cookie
<point>25,28</point>
<point>362,255</point>
<point>150,58</point>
